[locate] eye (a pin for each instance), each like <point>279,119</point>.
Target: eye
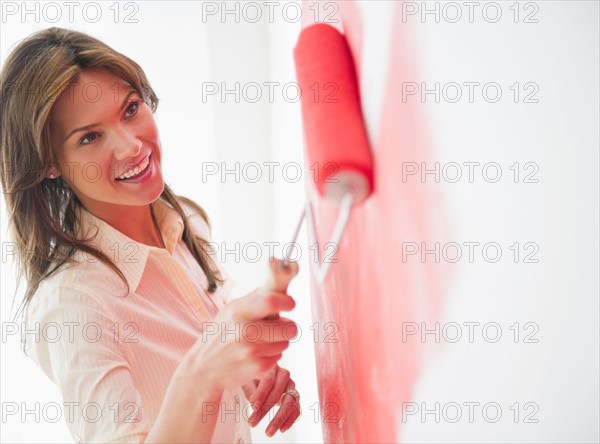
<point>86,136</point>
<point>131,111</point>
<point>132,105</point>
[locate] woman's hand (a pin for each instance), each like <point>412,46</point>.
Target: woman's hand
<point>240,344</point>
<point>275,387</point>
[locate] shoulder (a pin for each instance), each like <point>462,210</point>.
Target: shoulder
<point>83,274</point>
<point>77,291</point>
<point>57,310</point>
<point>73,339</point>
<point>63,292</point>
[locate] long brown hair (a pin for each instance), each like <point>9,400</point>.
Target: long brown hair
<point>42,212</point>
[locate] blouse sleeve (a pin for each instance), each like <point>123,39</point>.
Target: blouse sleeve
<point>77,344</point>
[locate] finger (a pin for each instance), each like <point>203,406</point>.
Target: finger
<point>265,364</point>
<point>249,389</point>
<point>269,349</point>
<point>294,414</point>
<point>292,417</point>
<point>286,416</point>
<point>289,329</point>
<point>273,396</point>
<point>266,382</point>
<point>276,330</point>
<point>288,412</point>
<point>259,305</point>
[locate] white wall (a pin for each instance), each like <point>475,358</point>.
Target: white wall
<point>559,375</point>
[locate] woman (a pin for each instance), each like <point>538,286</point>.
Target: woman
<point>128,305</point>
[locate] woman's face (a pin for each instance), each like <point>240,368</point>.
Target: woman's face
<point>101,128</point>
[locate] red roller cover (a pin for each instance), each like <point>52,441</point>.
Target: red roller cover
<point>336,141</point>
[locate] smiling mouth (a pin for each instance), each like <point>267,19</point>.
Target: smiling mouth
<point>138,170</point>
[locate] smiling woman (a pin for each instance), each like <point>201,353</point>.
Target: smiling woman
<point>121,136</point>
<point>97,213</point>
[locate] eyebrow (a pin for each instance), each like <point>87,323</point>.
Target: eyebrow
<point>83,128</point>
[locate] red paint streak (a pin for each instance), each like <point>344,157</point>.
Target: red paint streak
<point>366,372</point>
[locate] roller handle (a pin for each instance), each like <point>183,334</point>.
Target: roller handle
<point>281,272</point>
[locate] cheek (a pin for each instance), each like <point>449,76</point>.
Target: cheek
<point>91,170</point>
<point>151,137</point>
<point>91,173</point>
<point>148,127</point>
<point>152,132</point>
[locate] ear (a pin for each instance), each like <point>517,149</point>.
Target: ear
<point>52,172</point>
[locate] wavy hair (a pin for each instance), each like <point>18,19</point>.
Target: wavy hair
<point>42,212</point>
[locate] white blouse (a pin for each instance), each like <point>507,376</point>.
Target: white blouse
<point>112,355</point>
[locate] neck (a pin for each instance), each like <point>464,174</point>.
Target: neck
<point>137,224</point>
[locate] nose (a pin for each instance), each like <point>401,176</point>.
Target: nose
<point>127,145</point>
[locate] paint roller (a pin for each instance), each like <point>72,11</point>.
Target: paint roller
<point>335,137</point>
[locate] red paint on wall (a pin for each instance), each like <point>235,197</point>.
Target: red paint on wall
<point>365,370</point>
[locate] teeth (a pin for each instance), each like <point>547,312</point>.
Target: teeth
<point>136,170</point>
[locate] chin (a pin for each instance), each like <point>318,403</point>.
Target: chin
<point>160,191</point>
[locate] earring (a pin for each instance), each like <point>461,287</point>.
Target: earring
<point>52,176</point>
